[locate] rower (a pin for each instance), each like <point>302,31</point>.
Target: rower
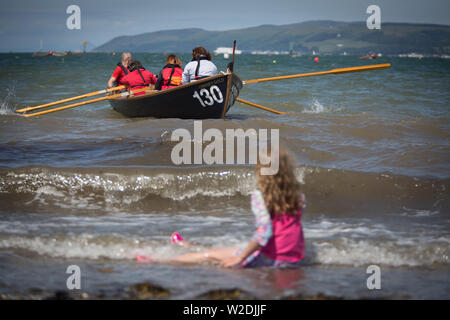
<point>170,75</point>
<point>120,71</point>
<point>138,78</point>
<point>200,66</point>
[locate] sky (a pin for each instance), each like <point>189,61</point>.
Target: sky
<point>24,23</point>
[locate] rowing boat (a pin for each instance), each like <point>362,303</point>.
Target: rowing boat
<point>201,99</point>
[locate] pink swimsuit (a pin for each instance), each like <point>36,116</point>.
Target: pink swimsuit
<point>280,237</point>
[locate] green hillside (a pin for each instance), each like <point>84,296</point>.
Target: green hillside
<point>322,36</point>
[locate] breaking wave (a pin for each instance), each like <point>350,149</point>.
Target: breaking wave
<point>317,107</point>
<point>124,189</point>
<point>5,107</point>
<point>396,250</point>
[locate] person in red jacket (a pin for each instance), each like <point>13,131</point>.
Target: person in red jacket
<point>121,70</point>
<point>138,78</point>
<point>171,75</point>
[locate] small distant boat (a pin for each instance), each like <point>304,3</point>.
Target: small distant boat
<point>75,52</point>
<point>223,50</point>
<point>226,52</point>
<point>292,52</point>
<point>369,56</point>
<point>201,99</point>
<point>39,53</point>
<point>59,54</point>
<point>50,53</point>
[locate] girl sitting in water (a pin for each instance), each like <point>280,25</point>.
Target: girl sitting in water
<point>278,238</point>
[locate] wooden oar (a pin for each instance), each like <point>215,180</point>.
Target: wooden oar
<point>260,106</point>
<point>334,71</point>
<point>71,99</point>
<point>123,94</point>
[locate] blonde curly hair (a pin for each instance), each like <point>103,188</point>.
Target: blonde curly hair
<point>281,192</point>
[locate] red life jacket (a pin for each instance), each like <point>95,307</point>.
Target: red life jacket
<point>119,73</point>
<point>172,75</point>
<point>139,79</point>
<point>287,242</point>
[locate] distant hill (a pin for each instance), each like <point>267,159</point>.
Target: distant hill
<point>325,37</point>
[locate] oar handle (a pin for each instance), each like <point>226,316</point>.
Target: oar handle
<point>123,94</point>
<point>71,99</point>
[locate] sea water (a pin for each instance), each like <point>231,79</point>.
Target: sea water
<point>89,187</point>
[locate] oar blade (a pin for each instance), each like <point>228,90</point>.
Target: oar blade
<point>362,68</point>
<point>260,106</point>
<point>320,73</point>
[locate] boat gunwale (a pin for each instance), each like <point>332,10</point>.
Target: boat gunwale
<point>158,92</point>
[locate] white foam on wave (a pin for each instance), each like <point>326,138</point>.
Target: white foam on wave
<point>327,229</point>
<point>342,251</point>
<point>415,213</point>
<point>388,253</point>
<point>5,108</point>
<point>114,191</point>
<point>43,192</point>
<point>317,107</point>
<point>87,246</point>
<point>358,243</point>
